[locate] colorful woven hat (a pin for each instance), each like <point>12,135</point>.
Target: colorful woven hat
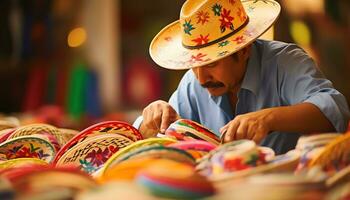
<point>170,179</point>
<point>334,156</point>
<point>185,129</point>
<point>158,151</point>
<point>281,163</point>
<point>209,30</point>
<point>92,153</point>
<point>68,134</point>
<point>126,170</point>
<point>314,141</point>
<point>38,129</point>
<point>107,127</point>
<point>310,146</point>
<point>18,162</point>
<point>113,160</point>
<point>196,148</point>
<point>5,134</point>
<point>30,146</point>
<point>32,180</point>
<point>242,158</point>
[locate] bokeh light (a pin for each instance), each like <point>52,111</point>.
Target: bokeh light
<point>77,37</point>
<point>300,33</point>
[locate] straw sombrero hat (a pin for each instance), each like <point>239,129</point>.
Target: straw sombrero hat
<point>209,30</point>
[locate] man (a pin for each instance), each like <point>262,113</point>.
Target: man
<point>238,86</point>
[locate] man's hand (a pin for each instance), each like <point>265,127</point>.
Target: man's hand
<point>253,126</point>
<point>157,117</point>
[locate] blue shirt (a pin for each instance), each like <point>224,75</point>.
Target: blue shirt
<point>278,74</point>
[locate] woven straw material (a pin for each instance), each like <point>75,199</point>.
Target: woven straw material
<point>37,129</point>
<point>335,151</point>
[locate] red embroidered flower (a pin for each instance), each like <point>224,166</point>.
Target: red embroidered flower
<point>26,153</point>
<point>198,57</point>
<point>112,149</point>
<point>98,157</point>
<point>232,1</point>
<point>235,164</point>
<point>202,17</point>
<point>241,15</point>
<point>226,20</point>
<point>239,39</point>
<point>201,39</point>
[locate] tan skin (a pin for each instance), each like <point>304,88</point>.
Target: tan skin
<point>228,73</point>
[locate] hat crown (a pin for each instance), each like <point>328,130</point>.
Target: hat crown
<point>206,22</point>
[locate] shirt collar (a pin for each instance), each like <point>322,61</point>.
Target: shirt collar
<point>252,75</point>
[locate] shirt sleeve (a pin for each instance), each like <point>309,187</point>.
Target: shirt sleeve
<point>301,81</point>
<point>137,123</point>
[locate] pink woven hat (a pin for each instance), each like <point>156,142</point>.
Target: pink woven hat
<point>209,30</point>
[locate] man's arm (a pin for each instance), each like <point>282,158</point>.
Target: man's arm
<point>303,118</point>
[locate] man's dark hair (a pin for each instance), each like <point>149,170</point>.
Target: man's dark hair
<point>235,57</point>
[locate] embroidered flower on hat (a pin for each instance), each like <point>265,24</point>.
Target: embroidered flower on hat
<point>222,53</point>
<point>226,20</point>
<point>188,27</point>
<point>239,39</point>
<point>241,15</point>
<point>232,1</point>
<point>198,58</point>
<point>201,39</point>
<point>202,17</point>
<point>217,9</point>
<point>223,43</point>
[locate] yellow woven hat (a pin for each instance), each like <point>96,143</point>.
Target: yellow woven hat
<point>209,30</point>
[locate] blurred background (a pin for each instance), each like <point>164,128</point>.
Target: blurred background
<point>74,63</point>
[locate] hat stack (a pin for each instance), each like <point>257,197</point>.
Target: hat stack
<point>185,129</point>
<point>92,147</point>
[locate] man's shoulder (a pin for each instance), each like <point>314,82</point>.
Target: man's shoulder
<point>188,77</point>
<point>277,48</point>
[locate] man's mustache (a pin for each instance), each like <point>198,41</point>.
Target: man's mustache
<point>212,85</point>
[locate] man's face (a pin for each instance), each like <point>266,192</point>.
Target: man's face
<point>223,75</point>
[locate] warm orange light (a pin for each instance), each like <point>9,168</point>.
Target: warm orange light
<point>76,37</point>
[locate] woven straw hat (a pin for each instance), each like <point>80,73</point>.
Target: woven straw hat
<point>209,30</point>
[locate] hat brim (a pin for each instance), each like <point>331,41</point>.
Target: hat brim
<point>167,51</point>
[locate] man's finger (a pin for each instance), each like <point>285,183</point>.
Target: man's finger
<point>250,132</point>
<point>241,132</point>
<point>257,137</point>
<point>231,131</point>
<point>167,119</point>
<point>148,119</point>
<point>223,129</point>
